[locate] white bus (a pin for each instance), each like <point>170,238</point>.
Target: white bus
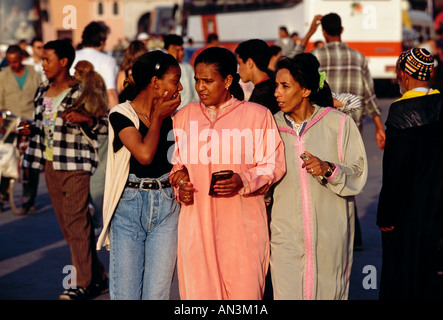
<point>373,27</point>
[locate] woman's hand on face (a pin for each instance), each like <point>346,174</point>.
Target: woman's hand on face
<point>163,109</point>
<point>228,187</point>
<point>315,166</point>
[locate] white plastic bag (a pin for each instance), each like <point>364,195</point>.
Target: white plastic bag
<point>8,160</point>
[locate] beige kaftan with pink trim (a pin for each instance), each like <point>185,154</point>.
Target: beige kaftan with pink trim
<point>312,226</point>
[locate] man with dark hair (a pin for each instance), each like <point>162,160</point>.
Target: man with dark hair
<point>347,71</point>
<point>174,46</point>
<point>211,41</point>
<point>18,84</point>
<point>410,206</point>
<point>253,60</point>
<point>94,38</point>
<point>95,34</point>
<point>59,147</point>
<point>331,24</point>
<point>63,50</point>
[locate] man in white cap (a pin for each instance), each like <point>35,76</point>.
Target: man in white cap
<point>143,37</point>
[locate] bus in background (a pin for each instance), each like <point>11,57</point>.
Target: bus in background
<point>373,27</point>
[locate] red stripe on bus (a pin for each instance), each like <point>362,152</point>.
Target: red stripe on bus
<point>209,25</point>
<point>368,49</point>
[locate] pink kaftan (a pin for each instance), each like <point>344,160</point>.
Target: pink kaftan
<point>223,243</point>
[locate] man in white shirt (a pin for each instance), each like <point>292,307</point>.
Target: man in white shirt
<point>36,59</point>
<point>94,40</point>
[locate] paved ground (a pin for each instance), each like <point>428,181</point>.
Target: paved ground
<point>33,252</point>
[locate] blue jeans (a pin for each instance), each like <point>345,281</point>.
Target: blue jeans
<point>143,235</point>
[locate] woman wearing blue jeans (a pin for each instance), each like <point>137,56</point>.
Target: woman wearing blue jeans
<point>140,213</point>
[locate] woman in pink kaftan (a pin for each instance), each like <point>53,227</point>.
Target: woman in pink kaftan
<point>223,242</point>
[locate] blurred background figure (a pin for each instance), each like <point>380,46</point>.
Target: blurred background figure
<point>275,55</point>
<point>94,38</point>
<point>135,49</point>
<point>36,59</point>
<point>155,42</point>
<point>296,38</point>
<point>211,41</point>
<point>174,46</point>
<point>284,41</point>
<point>143,37</point>
<point>319,44</point>
<point>18,84</point>
<point>23,44</point>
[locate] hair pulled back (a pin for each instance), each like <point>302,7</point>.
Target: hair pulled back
<point>304,69</point>
<point>148,65</point>
<point>154,63</point>
<point>225,63</point>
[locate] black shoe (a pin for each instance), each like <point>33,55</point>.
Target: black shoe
<point>75,294</point>
<point>28,207</point>
<point>98,288</point>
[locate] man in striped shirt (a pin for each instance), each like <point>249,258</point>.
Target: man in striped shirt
<point>347,71</point>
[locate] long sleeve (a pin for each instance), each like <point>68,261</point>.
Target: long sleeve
<point>351,173</point>
<point>269,157</point>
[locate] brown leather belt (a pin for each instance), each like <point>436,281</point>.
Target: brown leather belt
<point>148,185</point>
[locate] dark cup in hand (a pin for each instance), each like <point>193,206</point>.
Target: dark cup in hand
<point>219,176</point>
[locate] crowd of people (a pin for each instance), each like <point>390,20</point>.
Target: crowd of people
<point>183,170</point>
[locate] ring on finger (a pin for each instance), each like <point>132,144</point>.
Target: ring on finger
<point>312,170</point>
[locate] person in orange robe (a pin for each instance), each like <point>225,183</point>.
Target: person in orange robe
<point>223,242</point>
